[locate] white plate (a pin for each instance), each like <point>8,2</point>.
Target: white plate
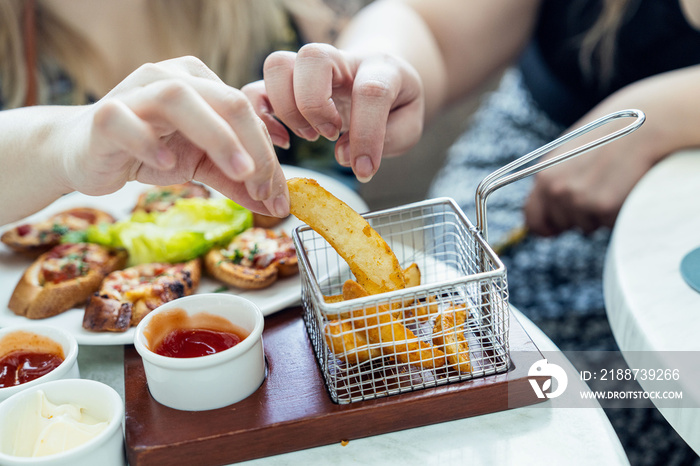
<point>282,294</point>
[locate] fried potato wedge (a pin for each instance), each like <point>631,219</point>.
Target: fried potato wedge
<point>334,298</point>
<point>411,275</point>
<point>370,258</point>
<point>424,309</point>
<point>448,335</point>
<point>382,328</point>
<point>412,278</point>
<point>348,344</point>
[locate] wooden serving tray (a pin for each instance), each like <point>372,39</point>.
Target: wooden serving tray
<point>293,411</point>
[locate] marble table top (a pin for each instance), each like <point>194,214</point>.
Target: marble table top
<point>548,433</point>
<point>654,314</point>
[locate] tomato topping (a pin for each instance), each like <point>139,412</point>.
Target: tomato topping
<point>24,230</point>
<point>86,215</point>
<point>66,272</point>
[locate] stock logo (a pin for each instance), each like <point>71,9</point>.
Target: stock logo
<point>542,368</point>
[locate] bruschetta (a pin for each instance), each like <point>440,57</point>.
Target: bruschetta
<point>161,198</point>
<point>254,259</point>
<point>126,296</point>
<point>62,278</point>
<point>41,236</point>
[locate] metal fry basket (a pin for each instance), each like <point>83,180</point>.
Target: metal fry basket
<point>453,325</point>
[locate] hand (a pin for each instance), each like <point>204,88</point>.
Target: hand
<point>587,192</point>
<point>373,105</point>
<point>172,122</point>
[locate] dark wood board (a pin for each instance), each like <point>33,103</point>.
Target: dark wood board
<point>292,410</point>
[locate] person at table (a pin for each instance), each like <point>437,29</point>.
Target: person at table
<point>563,63</point>
<point>121,97</point>
<point>567,62</point>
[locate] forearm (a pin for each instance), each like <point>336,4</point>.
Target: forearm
<point>671,111</point>
<point>32,174</point>
<point>454,45</point>
<point>588,191</point>
<point>672,116</point>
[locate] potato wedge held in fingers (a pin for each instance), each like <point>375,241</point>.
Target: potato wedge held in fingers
<point>370,258</point>
<point>395,339</point>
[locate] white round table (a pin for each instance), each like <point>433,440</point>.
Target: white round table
<point>550,433</point>
<point>654,314</point>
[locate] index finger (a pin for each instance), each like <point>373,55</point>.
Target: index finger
<point>267,182</point>
<point>300,89</point>
<point>374,94</point>
<point>221,121</point>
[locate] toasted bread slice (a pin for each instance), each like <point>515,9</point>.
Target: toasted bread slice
<point>127,296</point>
<point>63,278</point>
<point>255,259</point>
<point>161,198</point>
<point>36,238</point>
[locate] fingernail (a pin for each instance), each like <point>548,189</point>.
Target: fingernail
<point>329,131</point>
<point>344,154</point>
<point>308,133</point>
<point>281,206</point>
<point>263,191</point>
<point>242,164</point>
<point>280,141</point>
<point>364,169</point>
<point>165,158</point>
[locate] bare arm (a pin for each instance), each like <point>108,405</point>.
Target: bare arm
<point>166,123</point>
<point>588,192</point>
<point>454,45</point>
<point>395,63</point>
<point>31,175</point>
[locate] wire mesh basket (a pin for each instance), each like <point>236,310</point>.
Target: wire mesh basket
<point>449,325</point>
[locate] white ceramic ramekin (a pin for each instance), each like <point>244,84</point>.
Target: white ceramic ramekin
<point>68,369</point>
<point>96,399</point>
<point>211,381</point>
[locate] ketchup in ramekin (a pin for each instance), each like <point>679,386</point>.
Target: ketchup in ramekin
<point>176,334</point>
<point>196,342</point>
<point>26,356</point>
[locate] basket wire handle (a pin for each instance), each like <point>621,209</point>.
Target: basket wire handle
<point>506,175</point>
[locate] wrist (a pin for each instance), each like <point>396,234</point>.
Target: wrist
<point>34,174</point>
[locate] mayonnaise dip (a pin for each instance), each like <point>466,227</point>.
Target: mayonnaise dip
<point>44,428</point>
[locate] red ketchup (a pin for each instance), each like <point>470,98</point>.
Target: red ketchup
<point>193,343</point>
<point>21,366</point>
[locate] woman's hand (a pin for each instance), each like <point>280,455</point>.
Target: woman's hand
<point>172,122</point>
<point>587,192</point>
<point>373,105</point>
